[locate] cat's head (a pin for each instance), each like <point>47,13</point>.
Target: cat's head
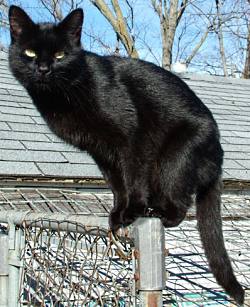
<point>43,53</point>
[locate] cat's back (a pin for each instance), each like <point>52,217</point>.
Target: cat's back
<point>146,82</point>
<point>130,67</point>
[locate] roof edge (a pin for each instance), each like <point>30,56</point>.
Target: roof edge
<point>31,181</point>
<point>229,184</point>
<point>236,185</point>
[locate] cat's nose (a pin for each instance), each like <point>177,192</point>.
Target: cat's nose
<point>44,69</point>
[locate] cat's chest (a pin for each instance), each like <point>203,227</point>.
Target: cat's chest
<point>81,122</point>
<point>72,128</point>
<point>85,132</point>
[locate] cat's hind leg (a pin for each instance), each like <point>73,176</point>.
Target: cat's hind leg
<point>129,204</point>
<point>172,188</point>
<point>137,179</point>
<point>171,211</point>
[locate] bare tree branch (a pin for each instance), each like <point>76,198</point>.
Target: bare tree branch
<point>4,23</point>
<point>99,41</point>
<point>220,37</point>
<point>203,38</point>
<point>182,9</point>
<point>246,71</point>
<point>170,16</point>
<point>3,10</point>
<point>118,23</point>
<point>54,8</point>
<point>197,47</point>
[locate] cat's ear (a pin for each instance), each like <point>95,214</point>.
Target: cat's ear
<point>19,22</point>
<point>72,25</point>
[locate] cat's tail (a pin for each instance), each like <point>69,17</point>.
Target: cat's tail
<point>210,228</point>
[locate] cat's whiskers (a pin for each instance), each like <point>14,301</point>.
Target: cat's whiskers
<point>63,89</point>
<point>70,91</point>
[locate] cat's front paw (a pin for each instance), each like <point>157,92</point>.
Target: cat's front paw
<point>128,218</point>
<point>115,220</point>
<point>118,219</point>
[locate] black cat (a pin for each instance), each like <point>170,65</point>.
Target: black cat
<point>154,140</point>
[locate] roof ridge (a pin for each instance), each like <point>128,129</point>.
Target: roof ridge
<point>212,78</point>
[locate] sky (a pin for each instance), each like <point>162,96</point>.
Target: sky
<point>96,25</point>
<point>147,30</point>
<point>40,14</point>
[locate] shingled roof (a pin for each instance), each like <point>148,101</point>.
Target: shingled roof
<point>29,148</point>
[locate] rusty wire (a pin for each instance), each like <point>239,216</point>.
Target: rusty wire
<point>74,269</point>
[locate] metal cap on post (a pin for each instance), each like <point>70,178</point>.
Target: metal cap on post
<point>149,239</point>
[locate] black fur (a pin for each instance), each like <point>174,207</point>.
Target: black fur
<point>154,140</point>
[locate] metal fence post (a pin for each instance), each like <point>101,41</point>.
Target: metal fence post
<point>14,265</point>
<point>3,270</point>
<point>150,271</point>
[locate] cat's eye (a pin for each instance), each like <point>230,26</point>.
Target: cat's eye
<point>30,53</point>
<point>59,55</point>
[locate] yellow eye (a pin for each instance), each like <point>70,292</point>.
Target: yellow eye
<point>59,55</point>
<point>30,53</point>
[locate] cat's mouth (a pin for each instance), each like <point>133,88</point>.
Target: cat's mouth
<point>42,80</point>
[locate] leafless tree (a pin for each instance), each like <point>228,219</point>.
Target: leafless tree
<point>3,12</point>
<point>169,13</point>
<point>57,8</point>
<point>246,71</point>
<point>201,34</point>
<point>220,37</point>
<point>181,30</point>
<point>3,17</point>
<point>116,18</point>
<point>226,30</point>
<point>54,7</point>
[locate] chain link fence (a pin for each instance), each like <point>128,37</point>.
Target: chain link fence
<point>82,268</point>
<point>67,257</point>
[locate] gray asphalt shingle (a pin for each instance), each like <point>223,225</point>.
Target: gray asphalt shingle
<point>19,111</point>
<point>78,157</point>
<point>12,118</point>
<point>48,146</point>
<point>22,127</point>
<point>72,170</point>
<point>4,126</point>
<point>8,144</point>
<point>24,136</point>
<point>19,168</point>
<point>31,156</point>
<point>28,147</point>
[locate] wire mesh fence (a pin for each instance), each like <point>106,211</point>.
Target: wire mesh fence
<point>82,268</point>
<point>69,263</point>
<point>190,282</point>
